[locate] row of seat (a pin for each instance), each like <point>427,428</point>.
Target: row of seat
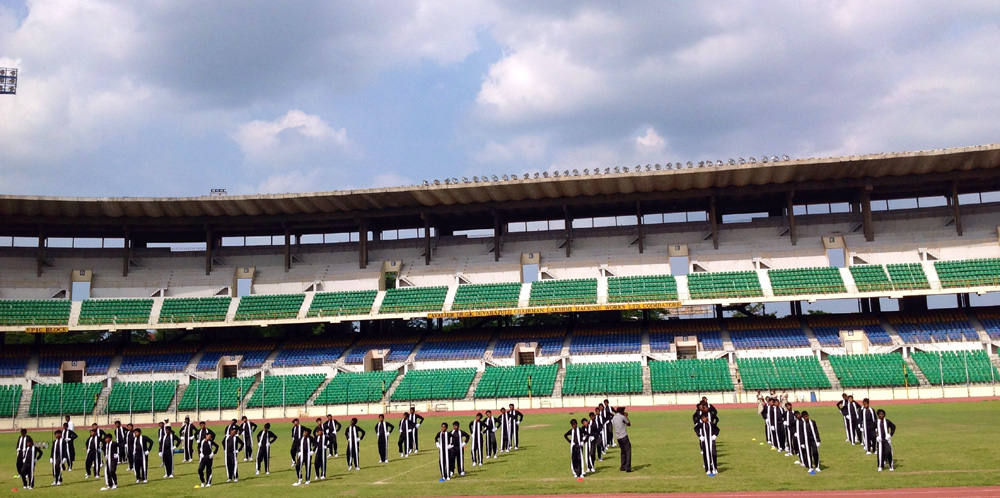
<point>563,292</point>
<point>690,376</point>
<point>349,387</point>
<point>798,372</point>
<point>446,383</point>
<point>285,390</point>
<point>342,303</point>
<point>486,296</point>
<point>956,367</point>
<point>213,394</point>
<point>603,378</point>
<point>269,307</point>
<point>872,370</point>
<point>968,273</point>
<point>10,399</point>
<point>413,300</point>
<point>642,288</point>
<point>131,397</point>
<point>62,398</point>
<point>794,281</point>
<point>517,381</point>
<point>721,285</point>
<point>194,309</point>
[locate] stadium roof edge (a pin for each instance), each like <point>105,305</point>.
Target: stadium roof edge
<point>717,177</point>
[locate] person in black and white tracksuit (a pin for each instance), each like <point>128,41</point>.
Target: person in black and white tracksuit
<point>884,430</point>
<point>443,442</point>
<point>588,445</point>
<point>121,437</point>
<point>297,431</point>
<point>404,436</point>
<point>491,426</point>
<point>382,431</point>
<point>476,430</point>
<point>842,406</point>
<point>232,444</point>
<point>160,431</point>
<point>867,426</point>
<point>305,449</point>
<point>854,419</point>
<point>140,455</point>
<point>187,435</point>
<point>459,439</point>
<point>809,443</point>
<point>775,416</point>
<point>515,418</point>
<point>505,435</point>
<point>332,427</point>
<point>787,425</point>
<point>353,436</point>
<point>207,448</point>
<point>57,457</point>
<point>707,432</point>
<point>609,413</point>
<point>320,438</point>
<point>111,458</point>
<point>265,438</point>
<point>30,454</point>
<point>22,448</point>
<point>597,435</point>
<point>168,441</point>
<point>69,436</point>
<point>415,421</point>
<point>574,436</point>
<point>247,428</point>
<point>130,444</point>
<point>92,464</point>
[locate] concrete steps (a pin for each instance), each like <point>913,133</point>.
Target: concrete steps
<point>557,386</point>
<point>647,382</point>
<point>322,387</point>
<point>392,388</point>
<point>475,382</point>
<point>916,371</point>
<point>830,374</point>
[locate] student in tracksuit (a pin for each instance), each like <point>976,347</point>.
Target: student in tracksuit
<point>22,448</point>
<point>31,454</point>
<point>794,437</point>
<point>199,436</point>
<point>867,426</point>
<point>854,414</point>
<point>121,437</point>
<point>265,439</point>
<point>110,460</point>
<point>775,417</point>
<point>476,430</point>
<point>415,421</point>
<point>596,428</point>
<point>297,431</point>
<point>809,443</point>
<point>130,443</point>
<point>248,428</point>
<point>707,432</point>
<point>588,445</point>
<point>354,434</point>
<point>332,427</point>
<point>57,457</point>
<point>140,458</point>
<point>884,430</point>
<point>504,431</point>
<point>93,461</point>
<point>609,413</point>
<point>515,417</point>
<point>491,426</point>
<point>443,442</point>
<point>787,423</point>
<point>320,437</point>
<point>574,436</point>
<point>404,436</point>
<point>69,436</point>
<point>601,420</point>
<point>160,431</point>
<point>207,448</point>
<point>187,434</point>
<point>382,431</point>
<point>231,447</point>
<point>459,439</point>
<point>305,448</point>
<point>168,442</point>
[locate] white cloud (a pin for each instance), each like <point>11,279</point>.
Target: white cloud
<point>521,148</point>
<point>289,136</point>
<point>651,142</point>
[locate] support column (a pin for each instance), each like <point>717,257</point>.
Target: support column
<point>209,244</point>
<point>955,208</point>
<point>125,253</point>
<point>40,253</point>
<point>638,226</point>
<point>288,250</point>
<point>791,217</point>
<point>427,238</point>
<point>568,229</point>
<point>713,218</point>
<point>496,236</point>
<point>362,244</point>
<point>866,214</point>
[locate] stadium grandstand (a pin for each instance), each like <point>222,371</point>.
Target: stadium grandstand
<point>878,275</point>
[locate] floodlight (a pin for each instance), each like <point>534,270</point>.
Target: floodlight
<point>465,180</point>
<point>504,177</point>
<point>8,81</point>
<point>618,169</point>
<point>475,179</point>
<point>743,161</point>
<point>586,171</point>
<point>690,164</point>
<point>555,174</point>
<point>494,178</point>
<point>732,161</point>
<point>763,159</point>
<point>426,183</point>
<point>436,182</point>
<point>753,160</point>
<point>784,157</point>
<point>454,180</point>
<point>536,175</point>
<point>447,181</point>
<point>774,159</point>
<point>545,174</point>
<point>528,175</point>
<point>576,172</point>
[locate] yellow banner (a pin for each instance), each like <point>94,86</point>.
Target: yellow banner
<point>556,309</point>
<point>46,330</point>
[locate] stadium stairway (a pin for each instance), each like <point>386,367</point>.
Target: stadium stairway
<point>172,407</point>
<point>306,303</point>
<point>525,296</point>
<point>849,283</point>
<point>734,373</point>
<point>916,371</point>
<point>556,387</point>
<point>602,290</point>
<point>311,401</point>
<point>978,326</point>
<point>391,389</point>
<point>234,304</point>
<point>470,395</point>
<point>102,400</point>
<point>647,382</point>
<point>449,298</point>
<point>765,283</point>
<point>830,374</point>
<point>192,366</point>
<point>154,312</point>
<point>488,354</point>
<point>644,350</point>
<point>727,340</point>
<point>377,304</point>
<point>25,405</point>
<point>811,336</point>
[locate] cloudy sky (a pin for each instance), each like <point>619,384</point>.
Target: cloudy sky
<point>174,97</point>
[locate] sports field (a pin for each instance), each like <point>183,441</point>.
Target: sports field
<point>936,445</point>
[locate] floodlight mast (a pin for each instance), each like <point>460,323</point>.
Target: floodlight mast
<point>8,81</point>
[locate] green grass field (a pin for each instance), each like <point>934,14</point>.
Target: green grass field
<point>948,444</point>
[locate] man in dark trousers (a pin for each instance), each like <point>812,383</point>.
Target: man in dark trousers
<point>207,448</point>
<point>609,415</point>
<point>26,468</point>
<point>711,407</point>
<point>231,447</point>
<point>111,459</point>
<point>248,428</point>
<point>794,437</point>
<point>332,427</point>
<point>574,436</point>
<point>505,438</point>
<point>787,421</point>
<point>597,436</point>
<point>707,432</point>
<point>382,431</point>
<point>459,439</point>
<point>69,436</point>
<point>516,417</point>
<point>297,431</point>
<point>121,437</point>
<point>22,448</point>
<point>353,436</point>
<point>160,431</point>
<point>265,439</point>
<point>140,455</point>
<point>93,462</point>
<point>57,457</point>
<point>775,419</point>
<point>443,442</point>
<point>187,434</point>
<point>476,433</point>
<point>620,423</point>
<point>867,426</point>
<point>404,436</point>
<point>884,430</point>
<point>588,445</point>
<point>320,437</point>
<point>810,442</point>
<point>305,448</point>
<point>130,443</point>
<point>168,442</point>
<point>491,426</point>
<point>415,421</point>
<point>202,430</point>
<point>854,416</point>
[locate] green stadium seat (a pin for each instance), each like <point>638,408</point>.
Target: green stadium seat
<point>563,292</point>
<point>486,296</point>
<point>513,382</point>
<point>212,394</point>
<point>872,370</point>
<point>797,372</point>
<point>690,376</point>
<point>956,367</point>
<point>871,278</point>
<point>348,387</point>
<point>603,378</point>
<point>806,281</point>
<point>413,300</point>
<point>34,312</point>
<point>10,399</point>
<point>285,390</point>
<point>445,383</point>
<point>342,303</point>
<point>60,399</point>
<point>269,307</point>
<point>114,311</point>
<point>130,397</point>
<point>720,285</point>
<point>194,309</point>
<point>642,288</point>
<point>968,273</point>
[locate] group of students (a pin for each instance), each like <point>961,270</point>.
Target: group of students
<point>590,438</point>
<point>791,431</point>
<point>868,427</point>
<point>706,427</point>
<point>482,439</point>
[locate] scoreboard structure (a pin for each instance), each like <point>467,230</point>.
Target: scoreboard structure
<point>8,81</point>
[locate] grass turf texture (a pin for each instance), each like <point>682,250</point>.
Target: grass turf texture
<point>947,444</point>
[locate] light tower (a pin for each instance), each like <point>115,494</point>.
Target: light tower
<point>8,81</point>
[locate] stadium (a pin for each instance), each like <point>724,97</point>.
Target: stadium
<point>649,286</point>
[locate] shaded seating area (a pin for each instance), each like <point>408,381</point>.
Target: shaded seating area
<point>690,376</point>
<point>517,381</point>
